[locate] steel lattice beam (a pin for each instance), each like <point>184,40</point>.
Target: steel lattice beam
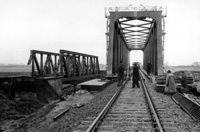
<point>135,34</point>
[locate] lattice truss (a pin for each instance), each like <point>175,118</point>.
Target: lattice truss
<point>136,31</point>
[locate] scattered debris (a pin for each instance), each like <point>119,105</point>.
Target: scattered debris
<point>63,98</point>
<point>77,105</point>
<point>60,114</point>
<point>80,92</point>
<point>67,89</point>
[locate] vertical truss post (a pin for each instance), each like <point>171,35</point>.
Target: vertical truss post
<point>83,65</point>
<point>74,65</point>
<point>55,61</point>
<point>87,65</point>
<point>41,64</point>
<point>79,66</point>
<point>33,63</point>
<point>61,62</point>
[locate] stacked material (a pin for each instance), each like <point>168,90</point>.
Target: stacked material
<point>194,98</point>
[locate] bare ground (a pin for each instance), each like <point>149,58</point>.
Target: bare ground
<point>43,118</point>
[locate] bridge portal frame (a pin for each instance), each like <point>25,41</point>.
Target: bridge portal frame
<point>158,53</point>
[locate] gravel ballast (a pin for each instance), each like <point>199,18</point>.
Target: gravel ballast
<point>184,123</point>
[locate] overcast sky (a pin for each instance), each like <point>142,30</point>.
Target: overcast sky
<point>80,25</point>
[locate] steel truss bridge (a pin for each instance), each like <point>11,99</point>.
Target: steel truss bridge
<point>135,28</point>
<point>69,64</point>
<point>128,28</point>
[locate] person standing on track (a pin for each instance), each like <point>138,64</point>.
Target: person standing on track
<point>120,74</point>
<point>170,87</point>
<point>135,76</point>
<point>183,79</point>
<point>149,67</point>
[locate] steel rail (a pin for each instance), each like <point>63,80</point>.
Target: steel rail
<point>152,108</point>
<point>145,75</point>
<point>97,120</point>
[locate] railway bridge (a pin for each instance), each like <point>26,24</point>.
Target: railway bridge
<point>128,28</point>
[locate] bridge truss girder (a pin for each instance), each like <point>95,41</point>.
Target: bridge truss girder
<point>68,64</point>
<point>134,30</point>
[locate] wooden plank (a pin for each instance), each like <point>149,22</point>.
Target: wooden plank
<point>61,114</point>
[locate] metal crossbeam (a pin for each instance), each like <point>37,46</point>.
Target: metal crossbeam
<point>135,33</point>
<point>131,35</point>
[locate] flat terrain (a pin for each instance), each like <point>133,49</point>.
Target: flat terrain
<point>15,68</point>
<point>181,68</point>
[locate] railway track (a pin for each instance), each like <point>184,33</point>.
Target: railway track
<point>131,109</point>
<point>167,123</point>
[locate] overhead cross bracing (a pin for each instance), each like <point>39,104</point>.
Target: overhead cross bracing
<point>135,31</point>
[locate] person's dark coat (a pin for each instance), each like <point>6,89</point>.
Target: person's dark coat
<point>121,71</point>
<point>149,68</point>
<point>184,81</point>
<point>135,73</point>
<point>120,74</point>
<point>135,77</point>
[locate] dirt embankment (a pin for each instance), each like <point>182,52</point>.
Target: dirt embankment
<point>19,107</point>
<point>43,119</point>
<point>25,113</point>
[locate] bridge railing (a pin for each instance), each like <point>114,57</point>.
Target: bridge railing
<point>78,64</point>
<point>44,63</point>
